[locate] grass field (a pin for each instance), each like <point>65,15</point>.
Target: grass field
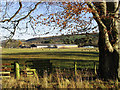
<point>75,54</point>
<point>58,54</point>
<point>58,57</point>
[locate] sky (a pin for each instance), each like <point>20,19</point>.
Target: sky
<point>39,30</point>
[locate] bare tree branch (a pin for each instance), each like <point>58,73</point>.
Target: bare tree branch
<point>19,11</point>
<point>29,12</point>
<point>14,14</point>
<point>5,10</point>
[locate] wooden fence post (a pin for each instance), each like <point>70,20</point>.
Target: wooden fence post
<point>95,68</point>
<point>75,67</point>
<point>17,71</point>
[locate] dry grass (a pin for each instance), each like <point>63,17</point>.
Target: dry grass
<point>59,79</point>
<point>29,82</point>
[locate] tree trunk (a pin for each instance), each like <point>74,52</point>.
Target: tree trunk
<point>108,61</point>
<point>119,50</point>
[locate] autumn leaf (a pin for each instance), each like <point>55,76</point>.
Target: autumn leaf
<point>86,6</point>
<point>63,3</point>
<point>67,10</point>
<point>84,11</point>
<point>57,22</point>
<point>52,14</point>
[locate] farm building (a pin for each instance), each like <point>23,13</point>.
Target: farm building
<point>51,46</point>
<point>39,46</point>
<point>33,46</point>
<point>88,46</point>
<point>66,46</point>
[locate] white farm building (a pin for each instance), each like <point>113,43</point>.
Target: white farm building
<point>39,46</point>
<point>54,46</point>
<point>42,46</point>
<point>66,46</point>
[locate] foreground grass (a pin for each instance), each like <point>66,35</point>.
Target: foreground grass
<point>59,79</point>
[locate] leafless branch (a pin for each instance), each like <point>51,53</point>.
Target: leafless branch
<point>5,10</point>
<point>28,13</point>
<point>14,14</point>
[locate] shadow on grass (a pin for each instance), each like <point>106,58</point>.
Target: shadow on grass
<point>47,64</point>
<point>41,64</point>
<point>63,54</point>
<point>53,54</point>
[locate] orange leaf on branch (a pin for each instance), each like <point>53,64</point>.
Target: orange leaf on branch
<point>85,11</point>
<point>86,6</point>
<point>34,19</point>
<point>59,25</point>
<point>52,14</point>
<point>63,3</point>
<point>67,10</point>
<point>57,22</point>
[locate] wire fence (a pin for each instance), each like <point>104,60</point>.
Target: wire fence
<point>17,69</point>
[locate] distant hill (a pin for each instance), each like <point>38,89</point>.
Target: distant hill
<point>63,38</point>
<point>79,39</point>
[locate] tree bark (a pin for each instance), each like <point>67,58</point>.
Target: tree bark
<point>109,63</point>
<point>119,50</point>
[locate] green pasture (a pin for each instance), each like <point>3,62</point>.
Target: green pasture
<point>58,57</point>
